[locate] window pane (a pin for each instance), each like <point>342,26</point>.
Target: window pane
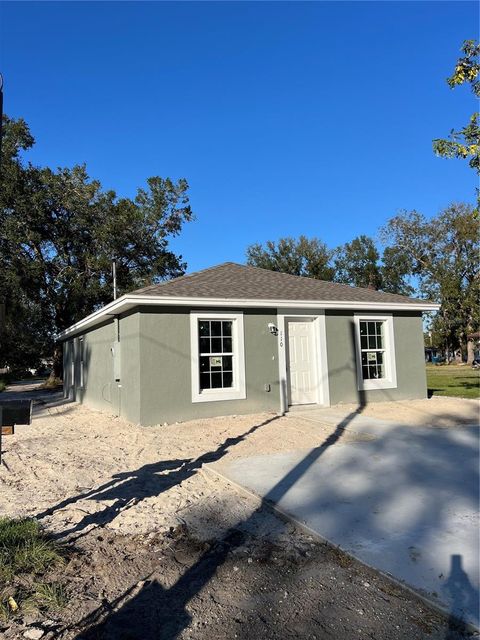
<point>227,327</point>
<point>204,381</point>
<point>216,380</point>
<point>227,345</point>
<point>227,379</point>
<point>216,345</point>
<point>227,363</point>
<point>363,328</point>
<point>204,363</point>
<point>371,328</point>
<point>380,341</point>
<point>204,327</point>
<point>216,328</point>
<point>204,345</point>
<point>363,342</point>
<point>365,372</point>
<point>372,343</point>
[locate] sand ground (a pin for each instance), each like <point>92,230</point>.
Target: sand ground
<point>76,468</point>
<point>116,494</point>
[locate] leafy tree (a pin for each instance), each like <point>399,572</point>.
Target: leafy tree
<point>395,272</point>
<point>59,231</point>
<point>444,254</point>
<point>464,143</point>
<point>302,257</point>
<point>357,263</point>
<point>360,264</point>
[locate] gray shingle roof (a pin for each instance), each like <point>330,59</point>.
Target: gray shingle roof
<point>236,281</point>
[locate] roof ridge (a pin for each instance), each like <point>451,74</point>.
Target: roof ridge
<point>281,279</point>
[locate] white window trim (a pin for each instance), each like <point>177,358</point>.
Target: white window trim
<point>390,380</point>
<point>238,391</point>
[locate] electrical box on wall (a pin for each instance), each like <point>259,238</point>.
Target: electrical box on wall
<point>116,355</point>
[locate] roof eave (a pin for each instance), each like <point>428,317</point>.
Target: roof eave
<point>129,301</point>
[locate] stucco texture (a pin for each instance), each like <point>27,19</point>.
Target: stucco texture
<point>409,356</point>
<point>166,385</point>
<point>155,384</point>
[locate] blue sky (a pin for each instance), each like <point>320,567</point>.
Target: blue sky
<point>285,118</point>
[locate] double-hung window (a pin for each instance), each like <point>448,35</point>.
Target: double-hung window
<point>217,353</point>
<point>375,352</point>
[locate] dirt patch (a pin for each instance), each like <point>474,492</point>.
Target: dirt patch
<point>240,586</point>
<point>431,412</point>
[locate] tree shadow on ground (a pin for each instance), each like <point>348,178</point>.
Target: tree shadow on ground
<point>156,612</point>
<point>129,488</point>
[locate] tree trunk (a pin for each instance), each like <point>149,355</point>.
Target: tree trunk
<point>470,351</point>
<point>57,369</point>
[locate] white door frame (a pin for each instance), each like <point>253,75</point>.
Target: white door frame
<point>320,354</point>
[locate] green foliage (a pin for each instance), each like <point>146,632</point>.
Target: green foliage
<point>24,548</point>
<point>302,257</point>
<point>467,68</point>
<point>360,264</point>
<point>357,263</point>
<point>59,233</point>
<point>464,143</point>
<point>51,595</point>
<point>443,253</point>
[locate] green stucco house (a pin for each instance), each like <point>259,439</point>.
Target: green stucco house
<point>238,339</point>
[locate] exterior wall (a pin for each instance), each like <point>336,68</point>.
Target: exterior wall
<point>155,381</point>
<point>409,356</point>
<point>166,378</point>
<point>130,368</point>
<point>100,390</point>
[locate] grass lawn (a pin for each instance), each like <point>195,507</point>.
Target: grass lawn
<point>26,554</point>
<point>453,380</point>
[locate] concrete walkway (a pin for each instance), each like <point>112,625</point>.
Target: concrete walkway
<point>405,502</point>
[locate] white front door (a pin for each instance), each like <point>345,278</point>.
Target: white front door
<point>301,362</point>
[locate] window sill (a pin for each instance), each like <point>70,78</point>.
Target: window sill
<point>370,385</point>
<point>216,396</point>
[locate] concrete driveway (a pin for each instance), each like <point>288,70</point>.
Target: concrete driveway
<point>405,502</point>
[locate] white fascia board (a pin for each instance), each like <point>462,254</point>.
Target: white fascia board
<point>127,302</point>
